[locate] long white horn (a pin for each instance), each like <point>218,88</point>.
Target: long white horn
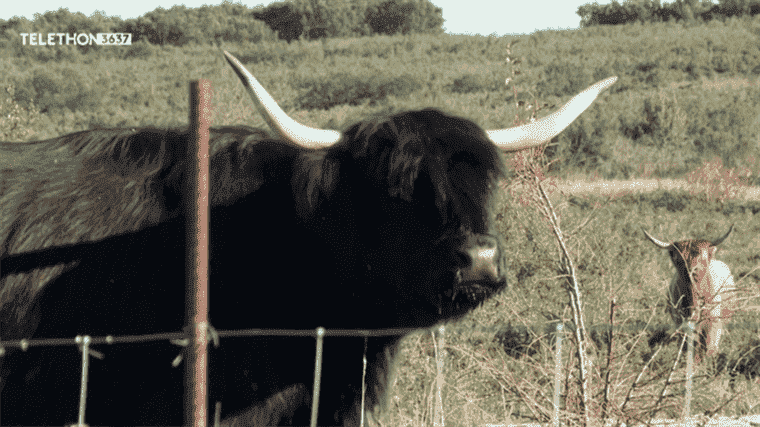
<point>656,241</point>
<point>277,119</point>
<point>533,134</point>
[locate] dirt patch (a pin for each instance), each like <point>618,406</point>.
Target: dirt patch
<point>615,188</point>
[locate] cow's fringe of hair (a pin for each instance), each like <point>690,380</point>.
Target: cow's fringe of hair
<point>276,410</point>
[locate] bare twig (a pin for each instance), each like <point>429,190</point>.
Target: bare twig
<point>574,292</point>
<point>607,368</point>
<point>656,406</point>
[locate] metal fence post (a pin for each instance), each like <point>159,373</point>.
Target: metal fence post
<point>364,383</point>
<point>557,374</point>
<point>689,368</point>
<point>2,353</point>
<point>438,418</point>
<point>317,376</point>
<point>84,341</point>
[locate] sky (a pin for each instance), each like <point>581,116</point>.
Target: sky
<point>462,17</point>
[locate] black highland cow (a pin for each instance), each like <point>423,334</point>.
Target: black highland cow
<point>386,225</point>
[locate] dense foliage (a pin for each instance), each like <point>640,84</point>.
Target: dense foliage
<point>649,11</point>
<point>235,22</point>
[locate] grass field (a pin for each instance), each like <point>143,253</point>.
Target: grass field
<point>500,359</point>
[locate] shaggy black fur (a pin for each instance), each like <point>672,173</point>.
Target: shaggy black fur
<point>366,234</point>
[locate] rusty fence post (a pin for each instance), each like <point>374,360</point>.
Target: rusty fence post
<point>196,267</point>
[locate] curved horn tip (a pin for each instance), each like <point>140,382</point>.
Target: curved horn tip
<point>655,240</point>
<point>533,134</point>
<point>276,118</point>
<point>604,84</point>
<point>720,240</point>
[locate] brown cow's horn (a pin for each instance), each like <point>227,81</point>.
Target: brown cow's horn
<point>656,241</point>
<point>721,239</point>
<point>533,134</point>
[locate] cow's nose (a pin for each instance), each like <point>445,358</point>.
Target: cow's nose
<point>479,258</point>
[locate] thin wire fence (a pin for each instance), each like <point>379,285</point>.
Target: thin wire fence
<point>24,344</point>
<point>181,339</point>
